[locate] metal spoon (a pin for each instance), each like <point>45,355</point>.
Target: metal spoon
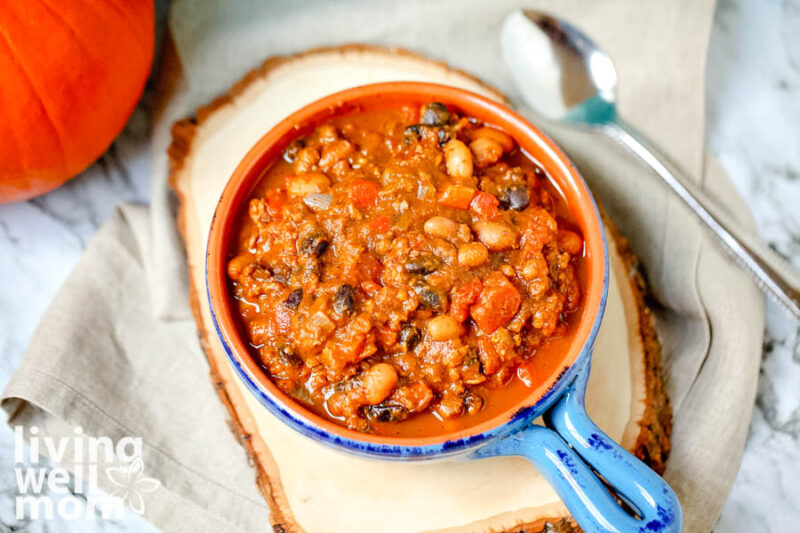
<point>566,77</point>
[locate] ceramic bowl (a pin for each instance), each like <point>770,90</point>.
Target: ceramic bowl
<point>571,448</point>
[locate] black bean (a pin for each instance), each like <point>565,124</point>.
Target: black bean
<point>435,114</point>
<point>414,129</point>
<point>412,133</point>
<point>422,264</point>
<point>444,135</point>
<point>315,244</point>
<point>431,298</point>
<point>260,273</point>
<point>472,358</point>
<point>288,357</point>
<point>290,153</point>
<point>344,301</point>
<point>515,197</point>
<point>471,371</point>
<point>281,275</point>
<point>472,403</point>
<point>387,412</point>
<point>410,335</point>
<point>320,247</point>
<point>294,299</point>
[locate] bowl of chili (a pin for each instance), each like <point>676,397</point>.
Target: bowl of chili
<point>410,271</point>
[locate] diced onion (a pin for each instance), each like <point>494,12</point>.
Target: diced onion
<point>318,201</point>
<point>320,320</point>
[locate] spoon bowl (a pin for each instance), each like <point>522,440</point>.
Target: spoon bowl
<point>566,77</point>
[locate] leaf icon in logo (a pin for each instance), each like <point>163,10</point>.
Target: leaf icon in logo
<point>131,483</point>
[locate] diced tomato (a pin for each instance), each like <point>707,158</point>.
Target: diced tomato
<point>386,337</point>
<point>276,200</point>
<point>463,297</point>
<point>370,268</point>
<point>458,196</point>
<point>533,241</point>
<point>497,303</point>
<point>370,287</point>
<point>381,224</point>
<point>363,192</point>
<point>485,205</point>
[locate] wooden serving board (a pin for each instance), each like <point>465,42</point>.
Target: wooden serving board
<point>312,488</point>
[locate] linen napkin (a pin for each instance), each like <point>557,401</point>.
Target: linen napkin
<point>117,352</point>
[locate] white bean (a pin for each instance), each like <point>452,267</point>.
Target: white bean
<point>308,183</point>
<point>486,151</point>
<point>379,381</point>
<point>458,160</point>
<point>444,327</point>
<point>500,137</point>
<point>441,227</point>
<point>472,254</point>
<point>237,265</point>
<point>495,235</point>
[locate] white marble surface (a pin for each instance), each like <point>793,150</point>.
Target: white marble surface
<point>753,102</point>
<point>753,115</point>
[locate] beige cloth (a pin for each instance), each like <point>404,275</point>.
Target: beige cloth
<point>118,354</point>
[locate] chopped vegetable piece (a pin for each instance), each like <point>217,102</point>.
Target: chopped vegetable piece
<point>463,297</point>
<point>497,303</point>
<point>369,267</point>
<point>276,200</point>
<point>485,205</point>
<point>318,201</point>
<point>458,196</point>
<point>381,224</point>
<point>364,192</point>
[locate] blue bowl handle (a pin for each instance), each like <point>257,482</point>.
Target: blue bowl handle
<point>553,450</point>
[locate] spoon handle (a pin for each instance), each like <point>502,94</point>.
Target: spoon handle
<point>772,273</point>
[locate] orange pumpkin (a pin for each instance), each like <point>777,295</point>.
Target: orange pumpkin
<point>71,72</point>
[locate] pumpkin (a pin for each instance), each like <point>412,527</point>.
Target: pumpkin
<point>71,72</point>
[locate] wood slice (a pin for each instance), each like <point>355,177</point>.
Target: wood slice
<point>312,488</point>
